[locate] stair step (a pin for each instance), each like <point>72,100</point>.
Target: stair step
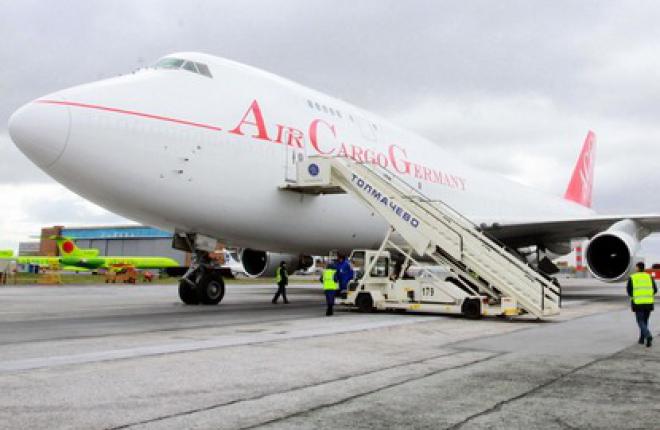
<point>441,233</point>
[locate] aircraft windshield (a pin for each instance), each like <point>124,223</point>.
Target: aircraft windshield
<point>169,63</point>
<point>178,63</point>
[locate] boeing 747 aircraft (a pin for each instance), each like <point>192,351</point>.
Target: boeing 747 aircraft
<point>200,144</point>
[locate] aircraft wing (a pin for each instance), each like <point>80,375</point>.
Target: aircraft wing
<point>519,234</point>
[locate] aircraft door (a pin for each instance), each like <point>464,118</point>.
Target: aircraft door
<point>294,152</point>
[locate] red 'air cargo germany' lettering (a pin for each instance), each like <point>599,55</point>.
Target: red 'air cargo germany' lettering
<point>258,122</point>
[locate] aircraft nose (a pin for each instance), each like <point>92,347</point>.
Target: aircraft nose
<point>41,131</point>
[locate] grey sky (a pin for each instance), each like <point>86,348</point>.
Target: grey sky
<point>510,86</point>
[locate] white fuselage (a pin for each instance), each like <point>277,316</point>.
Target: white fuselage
<point>180,150</point>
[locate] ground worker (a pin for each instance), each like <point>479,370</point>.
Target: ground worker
<point>641,289</point>
<point>344,274</point>
<point>282,280</point>
<point>330,287</point>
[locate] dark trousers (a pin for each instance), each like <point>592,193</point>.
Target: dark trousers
<point>643,323</point>
<point>330,301</point>
<point>281,290</point>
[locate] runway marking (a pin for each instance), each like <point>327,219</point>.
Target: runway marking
<point>323,327</point>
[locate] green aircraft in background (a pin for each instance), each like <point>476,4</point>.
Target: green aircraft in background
<point>72,258</point>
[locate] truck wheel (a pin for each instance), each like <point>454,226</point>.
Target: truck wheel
<point>187,293</point>
<point>364,303</point>
<point>471,308</point>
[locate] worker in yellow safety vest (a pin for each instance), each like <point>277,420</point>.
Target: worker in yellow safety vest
<point>330,287</point>
<point>641,290</point>
<point>282,280</point>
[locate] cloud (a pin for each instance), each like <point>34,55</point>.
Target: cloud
<point>528,137</point>
<point>511,87</point>
<point>37,205</point>
<point>651,249</point>
<point>15,168</point>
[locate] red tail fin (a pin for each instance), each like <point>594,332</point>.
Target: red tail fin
<point>582,181</point>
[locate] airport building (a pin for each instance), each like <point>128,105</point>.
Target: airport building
<point>26,249</point>
<point>130,240</point>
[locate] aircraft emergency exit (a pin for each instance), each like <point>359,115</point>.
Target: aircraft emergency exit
<point>201,145</point>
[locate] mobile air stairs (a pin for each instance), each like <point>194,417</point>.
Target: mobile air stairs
<point>482,277</point>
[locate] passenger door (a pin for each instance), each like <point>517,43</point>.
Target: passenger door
<point>293,155</point>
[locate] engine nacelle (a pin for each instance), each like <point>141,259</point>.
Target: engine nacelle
<point>610,254</point>
<point>261,263</point>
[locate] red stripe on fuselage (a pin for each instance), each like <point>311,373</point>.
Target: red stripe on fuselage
<point>130,112</point>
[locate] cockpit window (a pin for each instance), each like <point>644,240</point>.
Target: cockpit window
<point>189,65</point>
<point>178,63</point>
<point>169,63</point>
<point>204,69</point>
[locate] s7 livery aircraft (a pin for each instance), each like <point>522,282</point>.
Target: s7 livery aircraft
<point>200,144</point>
<point>76,259</point>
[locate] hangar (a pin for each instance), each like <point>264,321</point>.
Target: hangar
<point>128,240</point>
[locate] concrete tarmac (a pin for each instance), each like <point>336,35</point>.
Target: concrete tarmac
<point>112,357</point>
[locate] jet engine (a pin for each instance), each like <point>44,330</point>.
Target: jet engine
<point>610,254</point>
<point>261,263</point>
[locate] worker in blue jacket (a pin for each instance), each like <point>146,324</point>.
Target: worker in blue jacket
<point>344,274</point>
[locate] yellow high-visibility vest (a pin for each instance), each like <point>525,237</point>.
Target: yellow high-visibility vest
<point>329,280</point>
<point>278,275</point>
<point>642,288</point>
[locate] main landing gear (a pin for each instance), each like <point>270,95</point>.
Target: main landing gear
<point>202,283</point>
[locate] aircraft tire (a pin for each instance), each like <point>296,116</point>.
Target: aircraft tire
<point>187,293</point>
<point>471,308</point>
<point>364,303</point>
<point>211,289</point>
